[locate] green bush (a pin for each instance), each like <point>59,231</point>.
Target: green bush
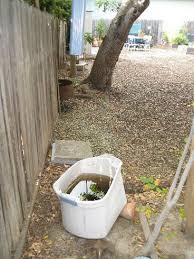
<point>101,29</point>
<point>111,5</point>
<point>88,38</point>
<point>180,39</point>
<point>59,8</point>
<point>62,9</point>
<point>166,37</point>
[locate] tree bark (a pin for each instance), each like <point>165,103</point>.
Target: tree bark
<point>37,4</point>
<point>110,49</point>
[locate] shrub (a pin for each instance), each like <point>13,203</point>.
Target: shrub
<point>180,39</point>
<point>166,37</point>
<point>88,38</point>
<point>101,29</point>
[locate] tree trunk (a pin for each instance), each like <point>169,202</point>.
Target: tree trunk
<point>108,54</point>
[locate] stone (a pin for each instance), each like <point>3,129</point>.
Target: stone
<point>190,50</point>
<point>70,151</point>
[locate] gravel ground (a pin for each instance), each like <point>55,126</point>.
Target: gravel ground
<point>145,119</point>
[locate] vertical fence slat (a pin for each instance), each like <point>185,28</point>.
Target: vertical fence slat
<point>4,246</point>
<point>29,61</point>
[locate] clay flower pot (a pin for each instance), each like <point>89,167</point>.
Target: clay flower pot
<point>129,211</point>
<point>66,89</point>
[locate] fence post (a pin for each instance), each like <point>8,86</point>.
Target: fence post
<point>189,198</point>
<point>73,70</point>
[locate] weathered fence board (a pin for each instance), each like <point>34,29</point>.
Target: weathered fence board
<point>62,42</point>
<point>31,48</point>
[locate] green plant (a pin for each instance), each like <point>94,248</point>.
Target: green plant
<point>101,29</point>
<point>95,194</point>
<point>166,37</point>
<point>111,5</point>
<point>152,184</point>
<point>147,210</point>
<point>180,39</point>
<point>59,8</point>
<point>88,38</point>
<point>182,213</point>
<point>62,9</point>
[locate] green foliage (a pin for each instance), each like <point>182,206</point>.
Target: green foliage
<point>152,184</point>
<point>88,38</point>
<point>59,8</point>
<point>166,37</point>
<point>101,29</point>
<point>146,180</point>
<point>180,39</point>
<point>111,5</point>
<point>94,194</point>
<point>182,213</point>
<point>147,210</point>
<point>62,9</point>
<point>47,5</point>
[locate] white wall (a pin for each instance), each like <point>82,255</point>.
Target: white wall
<point>88,28</point>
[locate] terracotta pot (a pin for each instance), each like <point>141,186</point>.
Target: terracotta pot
<point>66,89</point>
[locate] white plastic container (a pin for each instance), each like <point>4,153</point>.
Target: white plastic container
<point>92,219</point>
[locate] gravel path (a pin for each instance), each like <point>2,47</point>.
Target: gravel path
<point>145,119</point>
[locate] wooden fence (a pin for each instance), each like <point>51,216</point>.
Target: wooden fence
<point>154,28</point>
<point>62,42</point>
<point>29,58</point>
<point>149,27</point>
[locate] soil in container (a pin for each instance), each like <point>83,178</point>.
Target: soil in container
<point>89,187</point>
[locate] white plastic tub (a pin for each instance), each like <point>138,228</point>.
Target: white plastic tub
<point>92,219</point>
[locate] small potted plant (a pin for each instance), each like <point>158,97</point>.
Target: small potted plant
<point>88,38</point>
<point>180,39</point>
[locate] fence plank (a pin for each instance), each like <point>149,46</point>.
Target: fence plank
<point>4,246</point>
<point>28,109</point>
<point>189,196</point>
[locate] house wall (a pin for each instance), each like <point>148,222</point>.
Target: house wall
<point>88,28</point>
